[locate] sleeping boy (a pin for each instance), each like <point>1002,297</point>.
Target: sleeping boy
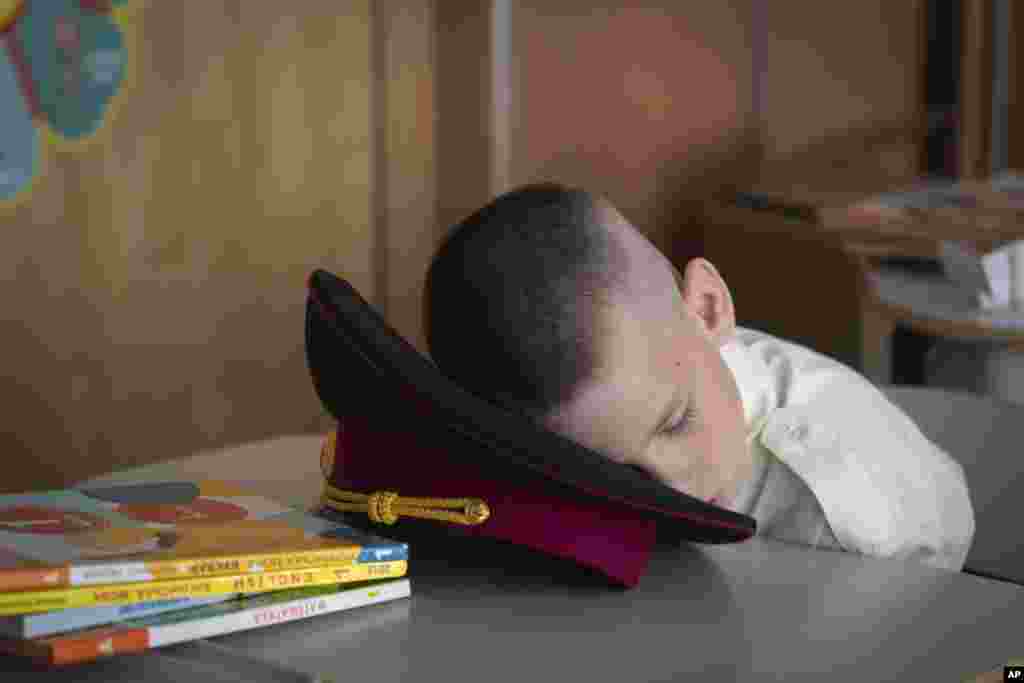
<point>549,303</point>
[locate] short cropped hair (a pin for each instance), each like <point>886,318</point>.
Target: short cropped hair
<point>514,293</point>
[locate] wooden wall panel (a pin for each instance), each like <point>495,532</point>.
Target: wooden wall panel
<point>466,141</point>
<point>842,99</point>
<point>154,285</point>
<point>1015,87</point>
<point>976,71</point>
<point>406,191</point>
<point>840,118</point>
<point>655,103</point>
<point>662,106</point>
<point>647,104</point>
<point>836,67</point>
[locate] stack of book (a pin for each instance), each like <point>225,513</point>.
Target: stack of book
<point>101,571</point>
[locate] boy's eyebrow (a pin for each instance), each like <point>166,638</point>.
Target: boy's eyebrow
<point>670,410</point>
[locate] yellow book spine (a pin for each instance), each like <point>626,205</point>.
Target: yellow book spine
<point>25,602</point>
<point>228,565</point>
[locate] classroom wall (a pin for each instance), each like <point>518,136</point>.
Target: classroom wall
<point>152,288</point>
<point>1015,86</point>
<point>648,104</point>
<point>839,117</point>
<point>153,284</point>
<point>1002,71</point>
<point>662,106</point>
<point>666,107</point>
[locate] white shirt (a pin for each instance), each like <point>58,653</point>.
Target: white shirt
<point>837,465</point>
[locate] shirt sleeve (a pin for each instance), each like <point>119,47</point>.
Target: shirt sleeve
<point>885,489</point>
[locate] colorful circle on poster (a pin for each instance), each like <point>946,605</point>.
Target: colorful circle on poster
<point>76,60</point>
<point>19,137</point>
<point>37,519</point>
<point>8,12</point>
<point>199,511</point>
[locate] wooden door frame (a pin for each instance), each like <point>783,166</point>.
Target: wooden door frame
<point>976,75</point>
<point>405,180</point>
<point>1015,94</point>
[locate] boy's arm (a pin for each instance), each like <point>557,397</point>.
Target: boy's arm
<point>885,489</point>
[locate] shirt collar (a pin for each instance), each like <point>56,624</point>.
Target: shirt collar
<point>754,378</point>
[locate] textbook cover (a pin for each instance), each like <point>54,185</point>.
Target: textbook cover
<point>249,612</point>
<point>159,531</point>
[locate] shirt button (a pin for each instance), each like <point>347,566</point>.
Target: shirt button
<point>797,431</point>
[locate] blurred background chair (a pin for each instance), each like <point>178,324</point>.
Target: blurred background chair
<point>986,368</point>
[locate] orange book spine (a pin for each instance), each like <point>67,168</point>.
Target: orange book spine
<point>62,650</point>
<point>27,579</point>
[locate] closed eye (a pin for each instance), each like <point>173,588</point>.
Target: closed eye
<point>683,424</point>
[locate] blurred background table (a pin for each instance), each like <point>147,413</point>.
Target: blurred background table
<point>931,305</point>
<point>822,268</point>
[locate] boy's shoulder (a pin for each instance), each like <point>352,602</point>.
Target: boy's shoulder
<point>860,455</point>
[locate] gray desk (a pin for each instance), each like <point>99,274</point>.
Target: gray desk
<point>984,435</point>
<point>761,610</point>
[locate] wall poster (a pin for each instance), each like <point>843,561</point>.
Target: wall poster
<point>61,64</point>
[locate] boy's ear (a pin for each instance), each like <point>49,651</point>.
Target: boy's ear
<point>707,298</point>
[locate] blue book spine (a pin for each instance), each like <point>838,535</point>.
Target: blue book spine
<point>49,623</point>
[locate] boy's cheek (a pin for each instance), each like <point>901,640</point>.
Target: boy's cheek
<point>745,471</point>
<point>728,454</point>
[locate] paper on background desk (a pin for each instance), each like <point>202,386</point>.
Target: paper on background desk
<point>999,277</point>
<point>996,278</point>
<point>943,194</point>
<point>997,267</point>
<point>1005,266</point>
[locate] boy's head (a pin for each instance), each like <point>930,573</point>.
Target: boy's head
<point>549,303</point>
